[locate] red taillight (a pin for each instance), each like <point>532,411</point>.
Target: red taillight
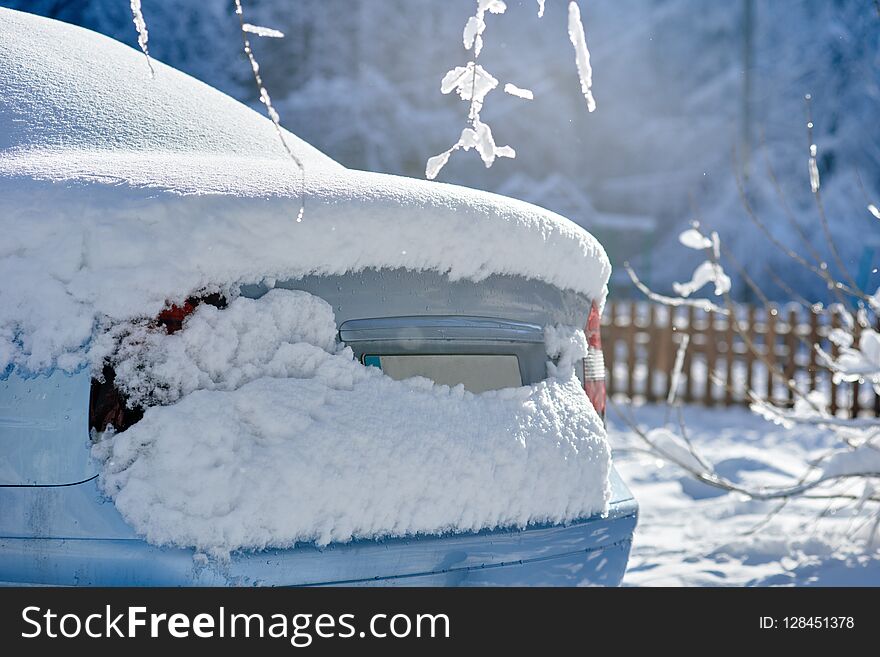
<point>172,318</point>
<point>594,363</point>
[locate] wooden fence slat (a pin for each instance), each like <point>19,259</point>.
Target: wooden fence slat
<point>652,348</point>
<point>631,352</point>
<point>770,350</point>
<point>791,344</point>
<point>609,346</point>
<point>688,358</point>
<point>731,358</point>
<point>711,350</point>
<point>666,351</point>
<point>750,357</point>
<point>812,367</point>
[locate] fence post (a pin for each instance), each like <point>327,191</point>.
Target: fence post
<point>770,349</point>
<point>666,351</point>
<point>609,345</point>
<point>791,343</point>
<point>711,348</point>
<point>750,357</point>
<point>731,354</point>
<point>813,367</point>
<point>652,347</point>
<point>631,352</point>
<point>688,358</point>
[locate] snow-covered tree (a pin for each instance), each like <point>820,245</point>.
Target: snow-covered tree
<point>856,456</point>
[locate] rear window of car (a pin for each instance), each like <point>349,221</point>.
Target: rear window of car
<point>476,372</point>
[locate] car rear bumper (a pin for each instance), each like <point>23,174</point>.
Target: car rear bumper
<point>592,551</point>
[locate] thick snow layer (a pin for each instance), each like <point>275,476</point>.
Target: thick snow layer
<point>285,333</point>
<point>120,192</point>
<point>309,445</point>
<point>63,87</point>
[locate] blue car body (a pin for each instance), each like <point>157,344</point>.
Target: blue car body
<point>57,528</point>
<point>72,536</point>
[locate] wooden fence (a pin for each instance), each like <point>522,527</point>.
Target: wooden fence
<point>641,340</point>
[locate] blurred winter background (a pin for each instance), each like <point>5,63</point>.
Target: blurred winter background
<point>691,94</point>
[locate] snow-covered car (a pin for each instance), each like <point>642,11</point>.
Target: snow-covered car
<point>200,385</point>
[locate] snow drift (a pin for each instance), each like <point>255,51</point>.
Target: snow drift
<point>283,437</point>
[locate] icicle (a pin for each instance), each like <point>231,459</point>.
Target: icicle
<point>540,8</point>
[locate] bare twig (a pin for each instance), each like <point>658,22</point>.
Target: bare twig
<point>674,302</point>
<point>821,270</point>
<point>872,536</point>
<point>270,109</point>
<point>855,529</point>
<point>828,420</point>
<point>715,480</point>
<point>691,447</point>
<point>820,206</point>
<point>788,290</point>
<point>676,369</point>
<point>830,509</point>
<point>749,281</point>
<point>787,212</point>
<point>754,529</point>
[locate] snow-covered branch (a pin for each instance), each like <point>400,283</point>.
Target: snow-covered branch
<point>672,302</point>
<point>581,54</point>
<point>473,83</point>
<point>137,17</point>
<point>855,364</point>
<point>863,462</point>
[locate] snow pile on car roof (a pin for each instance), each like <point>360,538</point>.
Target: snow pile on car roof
<point>120,192</point>
<point>69,89</point>
<point>309,445</point>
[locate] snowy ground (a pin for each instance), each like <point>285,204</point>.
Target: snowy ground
<point>692,535</point>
